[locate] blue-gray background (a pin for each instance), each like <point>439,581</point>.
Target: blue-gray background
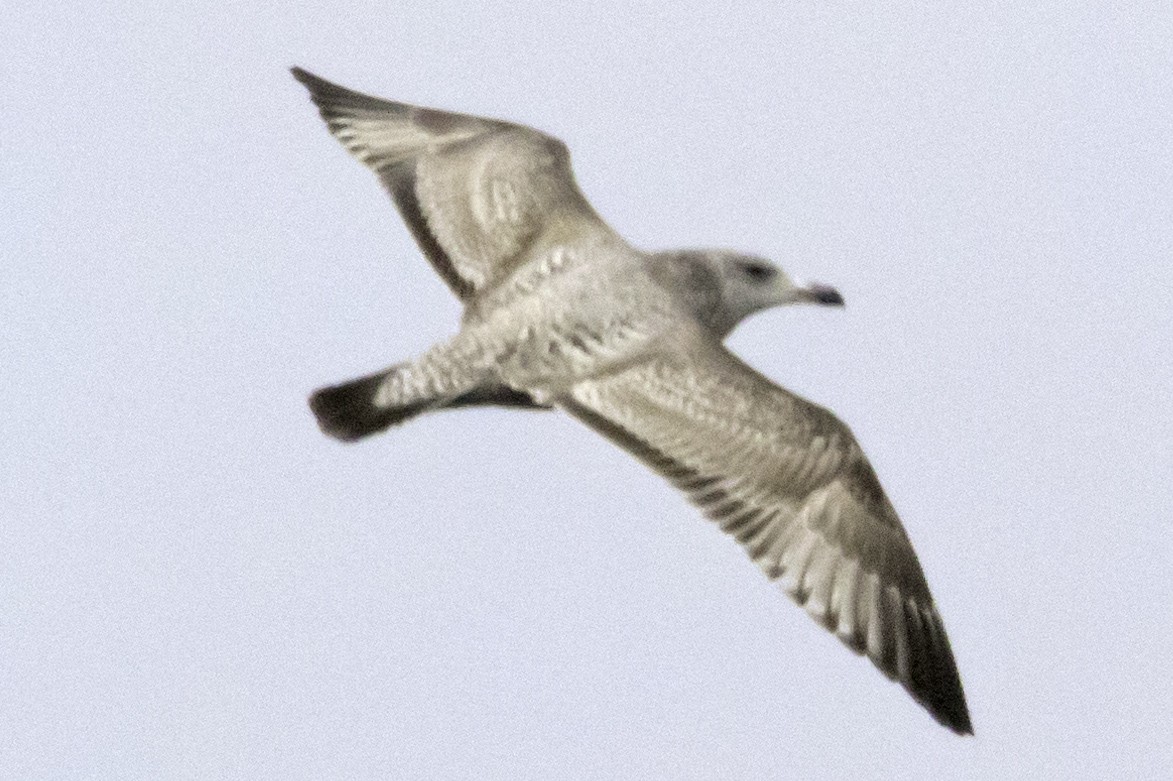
<point>194,582</point>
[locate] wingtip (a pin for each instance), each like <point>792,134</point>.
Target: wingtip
<point>301,74</point>
<point>310,80</point>
<point>957,721</point>
<point>946,704</point>
<point>334,100</point>
<point>963,725</point>
<point>944,701</point>
<point>964,729</point>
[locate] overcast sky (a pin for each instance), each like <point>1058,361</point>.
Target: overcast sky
<point>195,582</point>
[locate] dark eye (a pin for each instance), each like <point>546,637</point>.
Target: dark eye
<point>758,272</point>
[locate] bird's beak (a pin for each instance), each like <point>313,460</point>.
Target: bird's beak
<point>826,295</point>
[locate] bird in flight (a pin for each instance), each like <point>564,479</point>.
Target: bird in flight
<point>561,312</point>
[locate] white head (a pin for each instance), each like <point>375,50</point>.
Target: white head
<point>744,284</point>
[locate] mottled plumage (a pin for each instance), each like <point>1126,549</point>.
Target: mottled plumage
<point>559,311</point>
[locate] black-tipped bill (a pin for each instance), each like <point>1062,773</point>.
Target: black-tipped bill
<point>825,295</point>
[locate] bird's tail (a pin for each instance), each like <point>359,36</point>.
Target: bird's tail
<point>370,404</point>
<point>362,407</point>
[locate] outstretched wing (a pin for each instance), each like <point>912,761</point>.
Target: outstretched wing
<point>787,479</point>
<point>475,192</point>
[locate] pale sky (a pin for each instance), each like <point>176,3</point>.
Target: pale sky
<point>196,583</point>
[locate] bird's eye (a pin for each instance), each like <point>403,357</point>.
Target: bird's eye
<point>758,272</point>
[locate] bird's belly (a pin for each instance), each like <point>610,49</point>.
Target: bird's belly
<point>578,324</point>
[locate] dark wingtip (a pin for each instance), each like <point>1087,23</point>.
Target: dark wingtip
<point>961,723</point>
<point>950,707</point>
<point>946,704</point>
<point>934,681</point>
<point>305,77</point>
<point>335,100</point>
<point>955,717</point>
<point>320,89</point>
<point>314,83</point>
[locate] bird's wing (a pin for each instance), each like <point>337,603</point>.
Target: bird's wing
<point>787,479</point>
<point>474,192</point>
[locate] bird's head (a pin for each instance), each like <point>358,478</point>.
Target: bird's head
<point>750,284</point>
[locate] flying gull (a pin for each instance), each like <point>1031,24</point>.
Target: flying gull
<point>559,311</point>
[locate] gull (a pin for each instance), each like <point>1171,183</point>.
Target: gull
<point>561,312</point>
